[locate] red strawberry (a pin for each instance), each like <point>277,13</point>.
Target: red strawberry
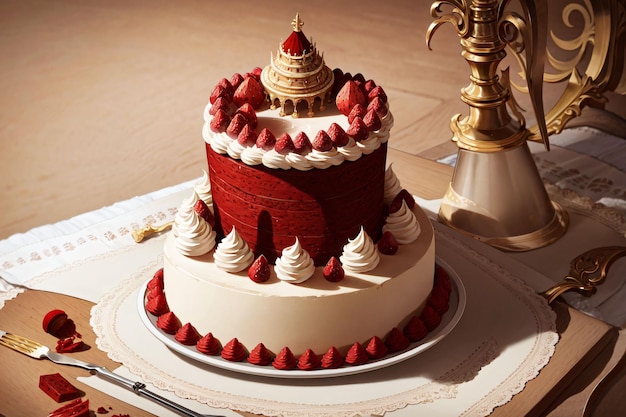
<point>259,271</point>
<point>236,125</point>
<point>378,105</point>
<point>430,318</point>
<point>357,130</point>
<point>357,111</point>
<point>220,104</point>
<point>302,144</point>
<point>228,87</point>
<point>247,136</point>
<point>377,92</point>
<point>372,121</point>
<point>266,140</point>
<point>368,86</point>
<point>219,91</point>
<point>203,211</point>
<point>349,96</point>
<point>247,110</point>
<point>388,245</point>
<point>337,135</point>
<point>235,80</point>
<point>256,72</point>
<point>220,122</point>
<point>249,91</point>
<point>333,271</point>
<point>284,144</point>
<point>322,142</point>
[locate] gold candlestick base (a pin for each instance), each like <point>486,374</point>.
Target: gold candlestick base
<point>499,198</point>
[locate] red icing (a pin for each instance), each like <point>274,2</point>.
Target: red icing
<point>234,351</point>
<point>260,355</point>
<point>415,329</point>
<point>396,340</point>
<point>169,323</point>
<point>187,335</point>
<point>332,359</point>
<point>309,361</point>
<point>157,305</point>
<point>209,345</point>
<point>249,197</point>
<point>356,355</point>
<point>157,280</point>
<point>285,360</point>
<point>376,348</point>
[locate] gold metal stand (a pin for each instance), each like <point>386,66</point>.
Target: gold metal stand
<point>496,194</point>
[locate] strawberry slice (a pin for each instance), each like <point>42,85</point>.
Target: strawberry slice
<point>372,121</point>
<point>322,142</point>
<point>377,92</point>
<point>337,135</point>
<point>247,136</point>
<point>357,130</point>
<point>247,110</point>
<point>266,140</point>
<point>378,105</point>
<point>302,144</point>
<point>259,271</point>
<point>284,144</point>
<point>220,122</point>
<point>358,110</point>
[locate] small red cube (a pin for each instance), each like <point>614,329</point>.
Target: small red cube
<point>58,388</point>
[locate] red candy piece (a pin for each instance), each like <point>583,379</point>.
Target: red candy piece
<point>76,408</point>
<point>57,387</point>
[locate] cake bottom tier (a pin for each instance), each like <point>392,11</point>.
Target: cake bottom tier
<point>316,314</point>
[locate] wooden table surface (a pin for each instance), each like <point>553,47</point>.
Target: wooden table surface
<point>102,101</point>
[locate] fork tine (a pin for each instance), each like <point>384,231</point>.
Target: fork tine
<point>19,343</point>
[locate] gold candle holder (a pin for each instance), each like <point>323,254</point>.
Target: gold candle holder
<point>496,194</point>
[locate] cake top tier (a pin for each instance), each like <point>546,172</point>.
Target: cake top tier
<point>297,75</point>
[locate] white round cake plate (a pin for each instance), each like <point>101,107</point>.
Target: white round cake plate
<point>448,322</point>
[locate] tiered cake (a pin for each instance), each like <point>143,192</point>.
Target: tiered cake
<point>298,248</point>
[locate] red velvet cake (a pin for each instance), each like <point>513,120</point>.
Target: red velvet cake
<point>298,249</point>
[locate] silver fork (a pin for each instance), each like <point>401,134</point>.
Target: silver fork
<point>38,351</point>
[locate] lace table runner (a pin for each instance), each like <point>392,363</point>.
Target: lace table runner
<point>505,337</point>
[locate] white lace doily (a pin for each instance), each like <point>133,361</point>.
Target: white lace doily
<point>505,337</point>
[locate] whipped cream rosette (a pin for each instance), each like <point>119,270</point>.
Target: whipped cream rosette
<point>392,185</point>
<point>203,189</point>
<point>233,254</point>
<point>273,159</point>
<point>324,159</point>
<point>351,151</point>
<point>193,235</point>
<point>403,225</point>
<point>294,265</point>
<point>360,254</point>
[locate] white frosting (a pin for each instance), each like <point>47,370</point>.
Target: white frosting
<point>203,189</point>
<point>194,236</point>
<point>403,225</point>
<point>392,185</point>
<point>360,254</point>
<point>351,152</point>
<point>294,265</point>
<point>233,254</point>
<point>252,155</point>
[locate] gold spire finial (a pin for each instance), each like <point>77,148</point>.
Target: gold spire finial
<point>297,23</point>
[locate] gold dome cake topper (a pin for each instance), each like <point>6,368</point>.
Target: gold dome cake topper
<point>297,74</point>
